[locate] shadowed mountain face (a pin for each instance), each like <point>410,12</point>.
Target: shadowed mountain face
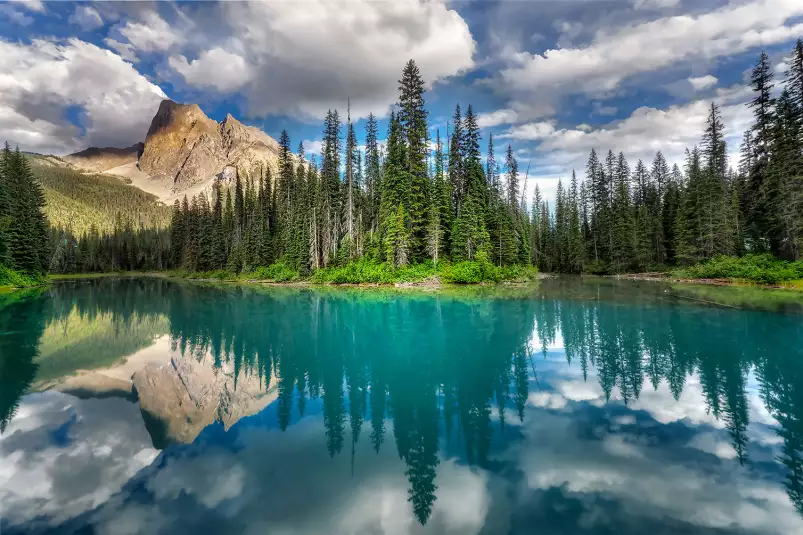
<point>99,159</point>
<point>578,407</point>
<point>184,149</point>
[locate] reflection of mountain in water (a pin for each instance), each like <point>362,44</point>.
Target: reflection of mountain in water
<point>181,397</point>
<point>423,367</point>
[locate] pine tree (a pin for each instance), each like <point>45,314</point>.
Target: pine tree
<point>372,173</point>
<point>28,236</point>
<point>763,110</point>
<point>331,190</point>
<point>441,201</point>
<point>351,187</point>
<point>412,118</point>
<point>397,239</point>
<point>623,223</point>
<point>456,165</point>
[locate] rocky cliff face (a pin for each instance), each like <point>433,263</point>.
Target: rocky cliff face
<point>99,159</point>
<point>185,148</point>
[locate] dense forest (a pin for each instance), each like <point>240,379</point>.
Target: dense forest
<point>404,204</point>
<point>409,205</point>
<point>24,255</point>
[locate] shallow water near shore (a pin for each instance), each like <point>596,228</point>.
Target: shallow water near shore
<point>148,405</point>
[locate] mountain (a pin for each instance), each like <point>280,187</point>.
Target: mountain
<point>184,152</point>
<point>104,158</point>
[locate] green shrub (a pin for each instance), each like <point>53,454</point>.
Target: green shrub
<point>15,279</point>
<point>359,272</point>
<point>277,272</point>
<point>758,268</point>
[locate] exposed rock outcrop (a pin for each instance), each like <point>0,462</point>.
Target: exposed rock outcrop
<point>185,148</point>
<point>99,159</point>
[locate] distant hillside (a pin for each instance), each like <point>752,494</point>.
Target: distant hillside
<point>78,199</point>
<point>101,159</point>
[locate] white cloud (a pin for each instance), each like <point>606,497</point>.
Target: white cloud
<point>86,17</point>
<point>151,33</point>
<point>215,68</point>
<point>115,102</point>
<point>703,82</point>
<point>33,5</point>
<point>314,147</point>
<point>612,57</point>
<point>495,118</point>
<point>646,131</point>
<point>302,62</point>
<point>125,50</point>
<point>655,4</point>
<point>15,16</point>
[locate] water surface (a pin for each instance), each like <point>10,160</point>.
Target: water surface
<point>592,407</point>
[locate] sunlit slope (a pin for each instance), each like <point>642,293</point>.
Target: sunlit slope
<point>78,200</point>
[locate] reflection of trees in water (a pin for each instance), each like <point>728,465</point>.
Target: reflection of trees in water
<point>440,366</point>
<point>417,361</point>
<point>21,325</point>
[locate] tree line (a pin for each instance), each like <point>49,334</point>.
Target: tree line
<point>23,225</point>
<point>417,199</point>
<point>400,204</point>
<point>620,219</point>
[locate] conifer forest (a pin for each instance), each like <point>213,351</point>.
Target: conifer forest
<point>453,199</point>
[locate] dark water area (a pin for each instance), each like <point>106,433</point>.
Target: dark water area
<point>147,406</point>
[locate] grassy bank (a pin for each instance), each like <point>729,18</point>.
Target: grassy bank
<point>750,269</point>
<point>10,279</point>
<point>374,273</point>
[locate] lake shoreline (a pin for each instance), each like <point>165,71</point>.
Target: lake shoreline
<point>663,277</point>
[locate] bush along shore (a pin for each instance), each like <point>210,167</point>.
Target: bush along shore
<point>365,272</point>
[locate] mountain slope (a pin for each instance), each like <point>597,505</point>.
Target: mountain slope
<point>79,200</point>
<point>101,159</point>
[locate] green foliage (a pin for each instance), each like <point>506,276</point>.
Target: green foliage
<point>15,279</point>
<point>278,272</point>
<point>758,268</point>
<point>78,201</point>
<point>358,272</point>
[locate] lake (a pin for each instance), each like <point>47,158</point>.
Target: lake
<point>148,406</point>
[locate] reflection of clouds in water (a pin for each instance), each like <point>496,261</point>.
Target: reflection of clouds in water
<point>63,455</point>
<point>662,484</point>
<point>284,482</point>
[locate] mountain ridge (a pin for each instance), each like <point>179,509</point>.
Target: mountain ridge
<point>184,152</point>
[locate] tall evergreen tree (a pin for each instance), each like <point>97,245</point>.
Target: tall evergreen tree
<point>412,118</point>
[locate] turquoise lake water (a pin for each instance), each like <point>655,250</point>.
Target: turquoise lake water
<point>146,406</point>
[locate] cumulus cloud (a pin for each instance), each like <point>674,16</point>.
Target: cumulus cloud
<point>646,131</point>
<point>600,67</point>
<point>303,62</point>
<point>151,33</point>
<point>33,5</point>
<point>115,103</point>
<point>215,68</point>
<point>703,82</point>
<point>125,50</point>
<point>655,4</point>
<point>86,17</point>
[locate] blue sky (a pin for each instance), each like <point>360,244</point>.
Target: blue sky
<point>552,78</point>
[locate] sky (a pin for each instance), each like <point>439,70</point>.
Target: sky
<point>552,78</point>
